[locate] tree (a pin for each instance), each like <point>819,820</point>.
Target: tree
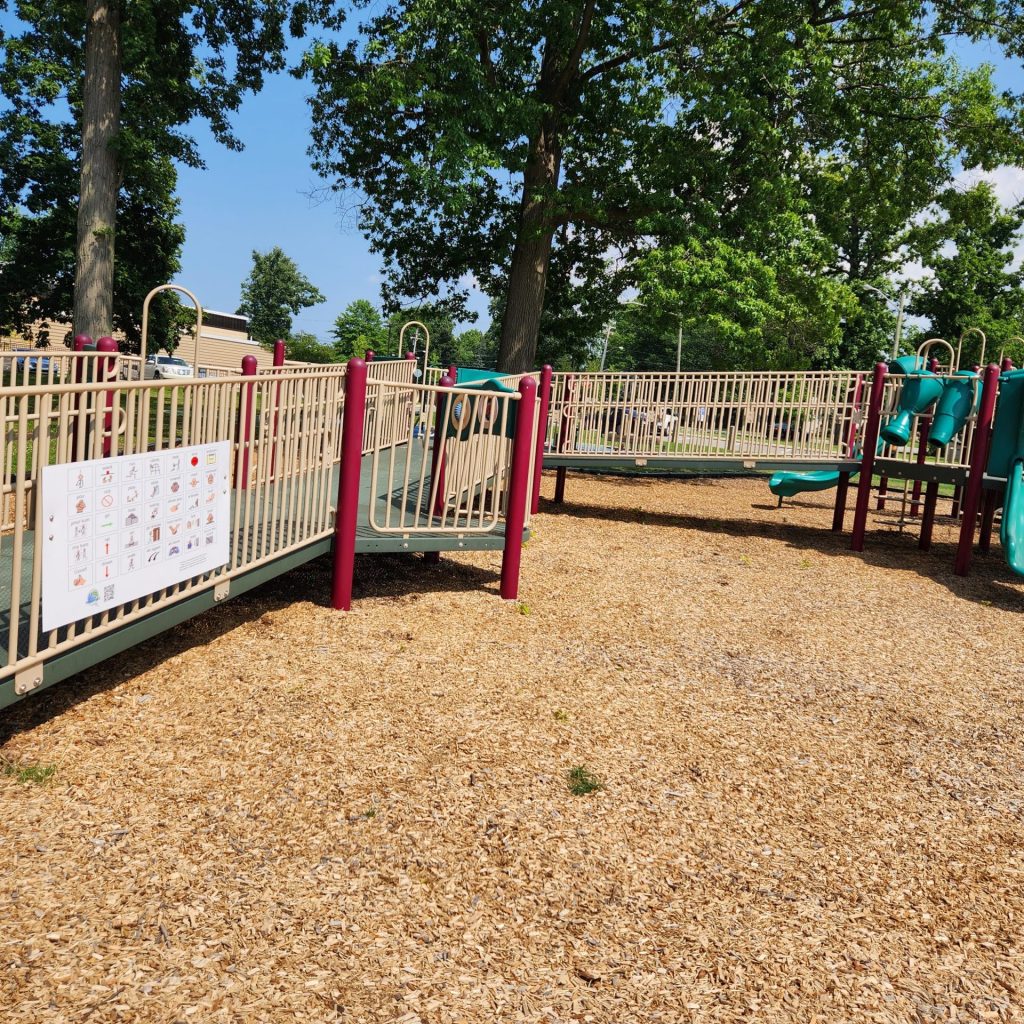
<point>519,142</point>
<point>358,327</point>
<point>443,347</point>
<point>115,84</point>
<point>305,347</point>
<point>273,293</point>
<point>969,247</point>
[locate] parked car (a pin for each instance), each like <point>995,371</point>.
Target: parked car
<point>166,368</point>
<point>36,363</point>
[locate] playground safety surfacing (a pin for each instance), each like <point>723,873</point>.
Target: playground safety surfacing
<point>810,764</point>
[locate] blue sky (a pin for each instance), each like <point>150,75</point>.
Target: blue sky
<point>261,197</point>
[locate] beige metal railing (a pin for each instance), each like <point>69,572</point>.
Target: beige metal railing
<point>455,485</point>
<point>36,367</point>
<point>795,415</point>
<point>285,435</point>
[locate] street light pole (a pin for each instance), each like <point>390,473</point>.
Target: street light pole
<point>899,313</point>
<point>607,337</point>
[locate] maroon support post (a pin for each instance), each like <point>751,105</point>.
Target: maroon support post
<point>563,436</point>
<point>542,433</point>
<point>839,512</point>
<point>931,498</point>
<point>988,516</point>
<point>370,355</point>
<point>437,456</point>
<point>922,452</point>
<point>1007,364</point>
<point>867,463</point>
<point>279,352</point>
<point>108,371</point>
<point>348,486</point>
<point>249,369</point>
<point>976,473</point>
<point>518,486</point>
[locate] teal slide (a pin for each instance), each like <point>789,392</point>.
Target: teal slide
<point>1011,533</point>
<point>788,485</point>
<point>1006,459</point>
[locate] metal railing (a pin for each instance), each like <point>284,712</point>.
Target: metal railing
<point>284,436</point>
<point>37,367</point>
<point>446,473</point>
<point>769,415</point>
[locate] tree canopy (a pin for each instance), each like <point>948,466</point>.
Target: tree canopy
<point>547,148</point>
<point>969,246</point>
<point>99,94</point>
<point>273,293</point>
<point>358,327</point>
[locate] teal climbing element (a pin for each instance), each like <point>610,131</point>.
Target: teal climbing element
<point>957,401</point>
<point>920,392</point>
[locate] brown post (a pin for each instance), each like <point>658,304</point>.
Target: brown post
<point>931,497</point>
<point>839,513</point>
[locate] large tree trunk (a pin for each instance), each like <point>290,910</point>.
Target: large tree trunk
<point>100,177</point>
<point>532,254</point>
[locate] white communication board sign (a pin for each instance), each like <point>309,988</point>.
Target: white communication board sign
<point>117,529</point>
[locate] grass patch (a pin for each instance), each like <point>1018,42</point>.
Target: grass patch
<point>28,774</point>
<point>523,608</point>
<point>583,781</point>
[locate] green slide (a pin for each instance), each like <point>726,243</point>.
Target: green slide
<point>1006,459</point>
<point>788,485</point>
<point>1011,532</point>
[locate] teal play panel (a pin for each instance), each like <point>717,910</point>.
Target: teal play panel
<point>267,531</point>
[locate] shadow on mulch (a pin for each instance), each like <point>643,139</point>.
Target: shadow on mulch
<point>376,576</point>
<point>990,580</point>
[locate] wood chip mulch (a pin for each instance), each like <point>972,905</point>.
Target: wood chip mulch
<point>810,802</point>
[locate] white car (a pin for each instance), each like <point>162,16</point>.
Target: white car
<point>166,368</point>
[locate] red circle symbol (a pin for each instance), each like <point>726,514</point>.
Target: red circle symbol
<point>195,460</point>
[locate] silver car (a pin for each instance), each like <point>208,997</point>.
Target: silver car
<point>166,368</point>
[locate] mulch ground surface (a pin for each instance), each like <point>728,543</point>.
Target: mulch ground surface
<point>808,762</point>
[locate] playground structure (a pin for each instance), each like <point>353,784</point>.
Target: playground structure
<point>920,421</point>
<point>324,459</point>
<point>365,458</point>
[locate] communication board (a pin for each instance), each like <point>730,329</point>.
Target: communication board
<point>117,529</point>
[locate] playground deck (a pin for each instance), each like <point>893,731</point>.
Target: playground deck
<point>266,532</point>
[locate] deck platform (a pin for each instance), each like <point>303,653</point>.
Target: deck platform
<point>267,533</point>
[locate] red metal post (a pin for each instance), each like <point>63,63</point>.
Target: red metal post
<point>346,517</point>
<point>931,497</point>
<point>542,433</point>
<point>279,352</point>
<point>444,408</point>
<point>107,371</point>
<point>867,461</point>
<point>1007,364</point>
<point>839,512</point>
<point>370,355</point>
<point>411,355</point>
<point>976,473</point>
<point>249,369</point>
<point>518,485</point>
<point>988,515</point>
<point>453,372</point>
<point>564,426</point>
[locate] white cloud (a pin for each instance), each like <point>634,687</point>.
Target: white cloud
<point>1006,181</point>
